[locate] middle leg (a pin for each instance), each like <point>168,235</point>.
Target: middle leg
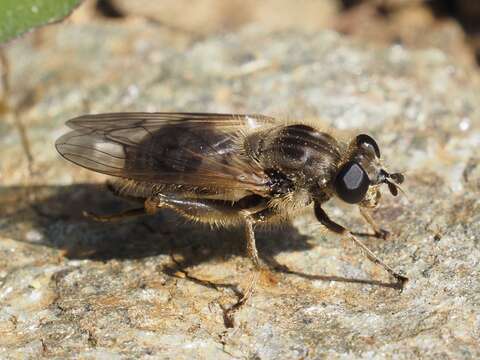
<point>211,211</point>
<point>253,255</point>
<point>251,218</point>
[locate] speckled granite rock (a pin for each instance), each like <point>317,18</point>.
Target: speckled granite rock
<point>154,287</point>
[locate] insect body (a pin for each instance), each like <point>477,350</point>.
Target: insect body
<point>227,169</point>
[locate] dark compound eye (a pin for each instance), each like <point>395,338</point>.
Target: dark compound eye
<point>367,141</point>
<point>351,183</point>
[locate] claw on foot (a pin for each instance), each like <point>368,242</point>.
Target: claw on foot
<point>382,234</point>
<point>401,281</point>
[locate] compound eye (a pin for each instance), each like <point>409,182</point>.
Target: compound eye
<point>367,142</point>
<point>351,183</point>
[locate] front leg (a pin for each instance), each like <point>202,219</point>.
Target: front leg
<point>322,216</point>
<point>377,230</point>
<point>371,201</point>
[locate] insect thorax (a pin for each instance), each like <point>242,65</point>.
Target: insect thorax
<point>296,156</point>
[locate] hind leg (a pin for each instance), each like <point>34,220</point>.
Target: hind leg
<point>115,217</point>
<point>208,210</point>
<point>217,212</point>
<point>247,211</point>
<point>115,189</point>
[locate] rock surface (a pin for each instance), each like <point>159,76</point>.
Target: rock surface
<point>155,287</point>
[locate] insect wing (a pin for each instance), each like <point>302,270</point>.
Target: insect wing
<point>171,148</point>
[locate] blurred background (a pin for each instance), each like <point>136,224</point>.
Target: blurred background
<point>452,25</point>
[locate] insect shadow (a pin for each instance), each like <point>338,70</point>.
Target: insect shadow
<point>55,214</point>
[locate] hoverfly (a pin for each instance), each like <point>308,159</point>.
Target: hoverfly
<point>231,169</point>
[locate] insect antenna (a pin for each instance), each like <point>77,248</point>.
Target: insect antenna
<point>397,178</point>
<point>403,192</point>
<point>393,182</point>
<point>392,187</point>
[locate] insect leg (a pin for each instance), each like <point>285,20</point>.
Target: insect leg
<point>253,255</point>
<point>115,217</point>
<point>119,216</point>
<point>378,231</point>
<point>116,190</point>
<point>218,211</point>
<point>197,209</point>
<point>149,208</point>
<point>252,218</point>
<point>251,245</point>
<point>322,216</point>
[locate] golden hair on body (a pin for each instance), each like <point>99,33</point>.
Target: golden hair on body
<point>231,169</point>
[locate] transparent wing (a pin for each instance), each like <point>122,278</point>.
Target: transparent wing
<point>171,148</point>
